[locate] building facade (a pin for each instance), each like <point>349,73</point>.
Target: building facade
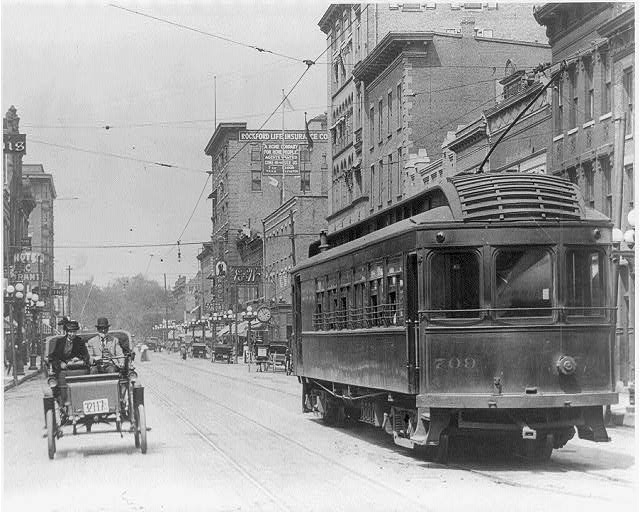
<point>41,227</point>
<point>380,60</point>
<point>522,149</point>
<point>253,173</point>
<point>589,142</point>
<point>289,231</point>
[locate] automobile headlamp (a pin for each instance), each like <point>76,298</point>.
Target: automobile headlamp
<point>133,375</point>
<point>52,381</point>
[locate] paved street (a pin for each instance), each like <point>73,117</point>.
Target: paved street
<point>226,438</point>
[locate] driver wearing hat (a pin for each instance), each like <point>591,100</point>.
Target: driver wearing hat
<point>104,348</point>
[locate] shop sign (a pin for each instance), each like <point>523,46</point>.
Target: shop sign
<point>298,136</point>
<point>245,274</point>
<point>275,156</point>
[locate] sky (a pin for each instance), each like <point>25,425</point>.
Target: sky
<point>73,68</point>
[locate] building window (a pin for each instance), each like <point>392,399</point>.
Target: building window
<point>559,101</point>
<point>605,70</point>
<point>587,169</point>
<point>373,183</point>
<point>605,166</point>
<point>572,176</point>
<point>372,135</point>
<point>573,98</point>
<point>380,120</point>
<point>380,181</point>
<point>629,188</point>
<point>627,86</point>
<point>398,172</point>
<point>256,180</point>
<point>305,181</point>
<point>389,111</point>
<point>588,89</point>
<point>390,170</point>
<point>256,154</point>
<point>399,102</point>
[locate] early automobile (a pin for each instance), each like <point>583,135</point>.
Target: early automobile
<point>111,400</point>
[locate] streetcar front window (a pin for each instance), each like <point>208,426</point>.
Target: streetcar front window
<point>454,286</point>
<point>523,282</point>
<point>585,282</point>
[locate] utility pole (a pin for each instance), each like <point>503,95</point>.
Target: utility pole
<point>69,293</point>
<point>164,332</point>
<point>282,149</point>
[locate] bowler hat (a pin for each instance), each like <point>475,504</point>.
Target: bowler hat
<point>103,322</point>
<point>63,321</point>
<point>71,326</point>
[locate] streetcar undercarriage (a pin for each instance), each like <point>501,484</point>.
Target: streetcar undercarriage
<point>533,432</point>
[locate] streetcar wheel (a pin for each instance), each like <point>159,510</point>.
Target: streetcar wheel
<point>538,450</point>
<point>441,451</point>
<point>142,427</point>
<point>331,411</point>
<point>51,438</point>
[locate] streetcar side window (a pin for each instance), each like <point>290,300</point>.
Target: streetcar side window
<point>318,317</point>
<point>454,284</point>
<point>585,282</point>
<point>523,282</point>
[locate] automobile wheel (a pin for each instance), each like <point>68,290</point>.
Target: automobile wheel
<point>142,427</point>
<point>51,438</point>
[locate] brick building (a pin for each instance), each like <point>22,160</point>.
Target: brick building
<point>399,60</point>
<point>597,41</point>
<point>41,217</point>
<point>289,231</point>
<point>523,148</point>
<point>247,176</point>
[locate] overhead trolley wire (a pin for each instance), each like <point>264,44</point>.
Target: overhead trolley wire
<point>308,64</point>
<point>210,34</point>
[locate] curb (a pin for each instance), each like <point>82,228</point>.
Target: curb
<point>21,380</point>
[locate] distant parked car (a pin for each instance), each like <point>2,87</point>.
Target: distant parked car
<point>153,344</point>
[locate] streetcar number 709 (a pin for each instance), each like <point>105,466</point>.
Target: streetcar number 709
<point>454,363</point>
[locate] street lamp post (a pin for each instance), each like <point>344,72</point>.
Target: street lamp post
<point>249,316</point>
<point>34,305</point>
<point>13,295</point>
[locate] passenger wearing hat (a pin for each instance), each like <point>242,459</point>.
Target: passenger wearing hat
<point>69,349</point>
<point>104,348</point>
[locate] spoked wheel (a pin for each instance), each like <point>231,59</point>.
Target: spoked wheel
<point>142,427</point>
<point>51,433</point>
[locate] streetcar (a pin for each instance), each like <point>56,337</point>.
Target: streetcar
<point>484,310</point>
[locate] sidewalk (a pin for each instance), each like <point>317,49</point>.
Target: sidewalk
<point>623,413</point>
<point>28,374</point>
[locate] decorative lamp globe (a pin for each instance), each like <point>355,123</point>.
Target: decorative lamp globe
<point>19,287</point>
<point>617,236</point>
<point>11,289</point>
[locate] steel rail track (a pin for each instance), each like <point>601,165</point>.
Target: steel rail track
<point>417,505</point>
<point>234,378</point>
<point>279,505</point>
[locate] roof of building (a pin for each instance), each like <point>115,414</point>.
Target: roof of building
<point>386,50</point>
<point>221,130</point>
<point>36,172</point>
